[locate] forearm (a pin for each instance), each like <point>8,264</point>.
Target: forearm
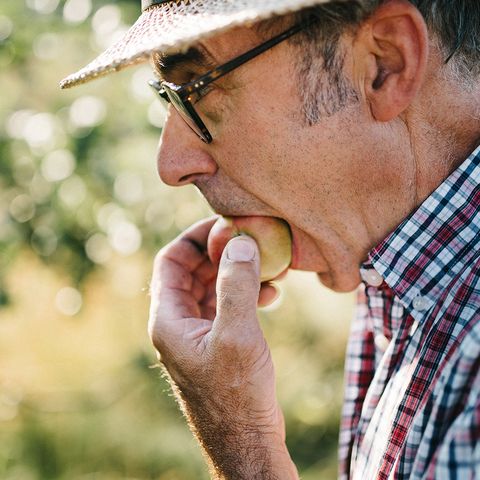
<point>243,452</point>
<point>252,449</point>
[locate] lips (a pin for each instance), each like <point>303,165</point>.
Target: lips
<point>294,262</point>
<point>305,250</point>
<point>306,254</point>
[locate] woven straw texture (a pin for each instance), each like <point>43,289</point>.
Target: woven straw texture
<point>176,25</point>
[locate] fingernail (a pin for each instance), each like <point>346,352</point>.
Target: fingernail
<point>239,250</point>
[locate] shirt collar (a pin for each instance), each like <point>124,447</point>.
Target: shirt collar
<point>434,244</point>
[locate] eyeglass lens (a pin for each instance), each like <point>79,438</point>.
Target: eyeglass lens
<point>173,98</point>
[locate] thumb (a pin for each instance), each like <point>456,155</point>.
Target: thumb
<point>238,283</point>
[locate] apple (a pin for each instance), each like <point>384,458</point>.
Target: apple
<point>272,235</point>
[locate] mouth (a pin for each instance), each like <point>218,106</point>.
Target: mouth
<point>294,262</point>
<point>309,250</point>
<point>272,235</point>
<point>305,252</point>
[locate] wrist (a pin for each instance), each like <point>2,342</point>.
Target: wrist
<point>259,460</point>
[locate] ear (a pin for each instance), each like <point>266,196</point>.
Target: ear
<point>396,41</point>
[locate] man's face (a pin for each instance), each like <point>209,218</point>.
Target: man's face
<point>329,181</point>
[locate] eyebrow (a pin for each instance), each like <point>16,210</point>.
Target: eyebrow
<point>195,57</point>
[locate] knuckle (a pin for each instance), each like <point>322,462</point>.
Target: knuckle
<point>158,330</point>
<point>235,304</point>
<point>160,256</point>
<point>236,285</point>
<point>156,337</point>
<point>158,261</point>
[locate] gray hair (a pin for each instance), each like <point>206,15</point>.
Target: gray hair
<point>453,24</point>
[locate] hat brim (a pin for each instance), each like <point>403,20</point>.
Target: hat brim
<point>174,26</point>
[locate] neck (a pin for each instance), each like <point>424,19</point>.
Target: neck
<point>444,128</point>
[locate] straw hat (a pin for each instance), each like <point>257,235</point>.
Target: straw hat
<point>174,25</point>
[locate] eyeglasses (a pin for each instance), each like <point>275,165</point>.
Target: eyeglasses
<point>183,96</point>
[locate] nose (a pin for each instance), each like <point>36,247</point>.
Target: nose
<point>181,157</point>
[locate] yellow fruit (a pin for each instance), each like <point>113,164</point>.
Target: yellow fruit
<point>271,234</point>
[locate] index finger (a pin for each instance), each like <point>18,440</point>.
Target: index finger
<point>175,263</point>
<point>190,247</point>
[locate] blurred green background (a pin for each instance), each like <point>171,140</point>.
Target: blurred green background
<point>82,213</point>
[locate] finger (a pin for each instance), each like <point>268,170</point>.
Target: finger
<point>206,272</point>
<point>268,294</point>
<point>203,289</point>
<point>198,290</point>
<point>175,263</point>
<point>210,297</point>
<point>181,297</point>
<point>189,250</point>
<point>208,312</point>
<point>173,304</point>
<point>238,285</point>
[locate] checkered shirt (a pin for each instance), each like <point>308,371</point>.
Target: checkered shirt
<point>412,378</point>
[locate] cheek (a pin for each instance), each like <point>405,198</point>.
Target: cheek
<point>259,140</point>
<point>254,154</point>
<point>259,135</point>
<point>263,168</point>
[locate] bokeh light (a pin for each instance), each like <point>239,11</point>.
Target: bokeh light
<point>139,85</point>
<point>72,191</point>
<point>24,170</point>
<point>157,113</point>
<point>125,238</point>
<point>76,11</point>
<point>47,46</point>
<point>106,19</point>
<point>44,240</point>
<point>40,188</point>
<point>128,188</point>
<point>98,248</point>
<point>15,124</point>
<point>43,6</point>
<point>68,301</point>
<point>58,165</point>
<point>107,26</point>
<point>87,111</point>
<point>22,208</point>
<point>6,27</point>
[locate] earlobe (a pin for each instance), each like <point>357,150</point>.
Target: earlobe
<point>397,41</point>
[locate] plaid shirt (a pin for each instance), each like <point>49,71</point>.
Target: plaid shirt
<point>412,395</point>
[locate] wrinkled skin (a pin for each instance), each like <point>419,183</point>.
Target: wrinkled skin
<point>341,184</point>
<point>203,322</point>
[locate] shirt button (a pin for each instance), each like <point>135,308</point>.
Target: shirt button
<point>420,303</point>
<point>372,277</point>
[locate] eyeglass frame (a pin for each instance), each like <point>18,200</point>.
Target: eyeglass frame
<point>185,91</point>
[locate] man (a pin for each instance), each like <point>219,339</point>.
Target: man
<point>354,122</point>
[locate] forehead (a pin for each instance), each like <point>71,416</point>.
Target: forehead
<point>230,43</point>
<point>208,53</point>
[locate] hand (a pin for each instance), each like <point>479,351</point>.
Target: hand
<point>204,325</point>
